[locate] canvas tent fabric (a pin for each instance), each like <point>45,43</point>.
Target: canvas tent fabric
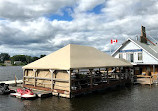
<point>76,57</point>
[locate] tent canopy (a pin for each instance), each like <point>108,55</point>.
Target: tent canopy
<point>76,57</point>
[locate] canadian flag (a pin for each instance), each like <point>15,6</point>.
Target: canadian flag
<point>114,41</point>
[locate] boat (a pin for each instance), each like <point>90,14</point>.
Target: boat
<point>4,88</point>
<point>23,93</point>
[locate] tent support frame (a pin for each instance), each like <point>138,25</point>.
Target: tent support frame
<point>69,72</point>
<point>34,71</point>
<point>52,82</point>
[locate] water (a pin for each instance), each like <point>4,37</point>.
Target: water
<point>134,98</point>
<point>9,72</point>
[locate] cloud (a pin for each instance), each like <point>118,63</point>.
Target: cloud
<point>31,9</point>
<point>85,5</point>
<point>25,29</point>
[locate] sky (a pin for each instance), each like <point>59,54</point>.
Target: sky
<point>35,27</point>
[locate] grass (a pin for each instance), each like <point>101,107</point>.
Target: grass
<point>2,64</point>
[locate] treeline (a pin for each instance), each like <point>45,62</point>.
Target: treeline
<point>25,59</point>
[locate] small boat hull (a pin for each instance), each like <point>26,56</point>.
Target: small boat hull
<point>27,96</point>
<point>15,95</point>
<point>24,94</point>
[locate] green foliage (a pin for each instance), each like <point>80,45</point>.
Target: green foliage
<point>21,58</point>
<point>25,59</point>
<point>28,59</point>
<point>1,64</point>
<point>3,57</point>
<point>42,56</point>
<point>34,58</point>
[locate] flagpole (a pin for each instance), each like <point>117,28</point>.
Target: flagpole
<point>110,50</point>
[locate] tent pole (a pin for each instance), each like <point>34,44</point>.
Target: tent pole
<point>78,71</point>
<point>115,71</point>
<point>124,75</point>
<point>119,74</point>
<point>153,69</point>
<point>91,78</point>
<point>34,70</point>
<point>52,84</point>
<point>69,72</point>
<point>107,75</point>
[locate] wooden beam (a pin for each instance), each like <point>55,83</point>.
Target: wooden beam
<point>54,79</point>
<point>115,71</point>
<point>69,72</point>
<point>107,75</point>
<point>34,70</point>
<point>45,89</point>
<point>119,74</point>
<point>153,69</point>
<point>52,82</point>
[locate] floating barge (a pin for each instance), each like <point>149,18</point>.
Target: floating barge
<point>75,70</point>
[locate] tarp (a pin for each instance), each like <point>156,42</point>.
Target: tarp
<point>76,57</point>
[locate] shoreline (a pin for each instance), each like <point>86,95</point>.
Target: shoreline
<point>3,65</point>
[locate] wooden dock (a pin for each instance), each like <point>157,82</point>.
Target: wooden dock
<point>141,79</point>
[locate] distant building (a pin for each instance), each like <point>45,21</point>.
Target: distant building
<point>142,55</point>
<point>7,62</point>
<point>17,62</point>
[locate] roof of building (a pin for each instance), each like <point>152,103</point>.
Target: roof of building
<point>75,57</point>
<point>151,49</point>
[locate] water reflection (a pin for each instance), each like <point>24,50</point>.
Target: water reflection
<point>47,104</point>
<point>134,98</point>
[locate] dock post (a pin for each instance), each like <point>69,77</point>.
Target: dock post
<point>15,81</point>
<point>23,77</point>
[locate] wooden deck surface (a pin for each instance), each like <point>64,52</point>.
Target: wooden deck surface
<point>143,79</point>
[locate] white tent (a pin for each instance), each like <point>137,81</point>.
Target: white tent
<point>76,57</point>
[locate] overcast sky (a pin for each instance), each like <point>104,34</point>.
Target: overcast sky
<point>35,27</point>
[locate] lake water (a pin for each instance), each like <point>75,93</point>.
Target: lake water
<point>9,72</point>
<point>133,98</point>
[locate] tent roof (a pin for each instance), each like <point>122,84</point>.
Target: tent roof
<point>75,57</point>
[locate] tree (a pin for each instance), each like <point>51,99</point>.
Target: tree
<point>34,59</point>
<point>4,56</point>
<point>21,58</point>
<point>42,56</point>
<point>28,59</point>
